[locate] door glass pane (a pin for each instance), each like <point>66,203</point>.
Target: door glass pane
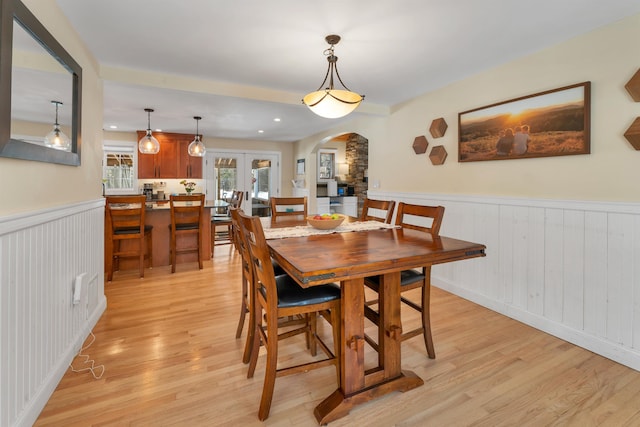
<point>261,186</point>
<point>226,171</point>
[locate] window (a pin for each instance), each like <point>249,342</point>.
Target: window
<point>119,166</point>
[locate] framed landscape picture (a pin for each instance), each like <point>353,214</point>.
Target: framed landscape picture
<point>551,123</point>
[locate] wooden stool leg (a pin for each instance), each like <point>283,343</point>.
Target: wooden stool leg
<point>141,244</point>
<point>271,368</point>
<point>426,314</point>
<point>172,249</point>
<point>200,244</point>
<point>243,308</point>
<point>150,249</point>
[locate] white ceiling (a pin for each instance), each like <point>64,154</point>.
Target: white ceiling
<point>239,64</point>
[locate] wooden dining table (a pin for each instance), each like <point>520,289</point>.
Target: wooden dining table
<point>347,258</point>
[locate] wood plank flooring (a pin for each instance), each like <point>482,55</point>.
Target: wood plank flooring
<point>171,357</point>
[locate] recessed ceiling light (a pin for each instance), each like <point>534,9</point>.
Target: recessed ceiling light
<point>158,130</point>
<point>277,119</point>
<point>113,127</point>
<point>260,131</point>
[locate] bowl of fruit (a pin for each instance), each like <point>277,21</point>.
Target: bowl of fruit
<point>325,221</point>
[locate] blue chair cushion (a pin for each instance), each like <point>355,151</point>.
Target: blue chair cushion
<point>407,277</point>
<point>290,294</point>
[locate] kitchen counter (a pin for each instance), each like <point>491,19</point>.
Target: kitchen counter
<point>164,204</point>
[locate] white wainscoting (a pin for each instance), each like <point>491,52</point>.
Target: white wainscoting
<point>568,268</point>
<point>41,330</point>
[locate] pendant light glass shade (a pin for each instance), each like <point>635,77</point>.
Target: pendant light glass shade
<point>197,148</point>
<point>332,104</point>
<point>56,138</point>
<point>329,102</point>
<point>148,144</point>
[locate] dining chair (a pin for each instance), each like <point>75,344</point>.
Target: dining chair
<point>247,279</point>
<point>379,206</point>
<point>187,212</point>
<point>288,207</point>
<point>246,298</point>
<point>412,217</point>
<point>225,220</point>
<point>125,222</point>
<point>276,297</point>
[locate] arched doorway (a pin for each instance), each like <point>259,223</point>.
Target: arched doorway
<point>352,165</point>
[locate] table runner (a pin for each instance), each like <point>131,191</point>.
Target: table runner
<point>307,230</point>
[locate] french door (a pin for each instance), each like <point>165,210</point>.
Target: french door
<point>256,174</point>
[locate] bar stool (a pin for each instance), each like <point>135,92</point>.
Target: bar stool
<point>225,220</point>
<point>186,219</point>
<point>125,221</point>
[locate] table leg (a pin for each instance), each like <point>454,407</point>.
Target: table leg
<point>355,387</point>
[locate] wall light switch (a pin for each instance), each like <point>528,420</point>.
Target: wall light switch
<point>79,288</point>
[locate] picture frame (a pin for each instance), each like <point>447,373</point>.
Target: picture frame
<point>326,165</point>
<point>550,123</point>
<point>300,167</point>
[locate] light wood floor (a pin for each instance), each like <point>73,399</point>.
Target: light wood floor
<point>168,344</point>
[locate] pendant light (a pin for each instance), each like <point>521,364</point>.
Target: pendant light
<point>197,148</point>
<point>56,138</point>
<point>148,144</point>
<point>329,102</point>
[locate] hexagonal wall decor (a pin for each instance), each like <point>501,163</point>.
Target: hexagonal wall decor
<point>633,87</point>
<point>438,155</point>
<point>633,133</point>
<point>438,128</point>
<point>420,144</point>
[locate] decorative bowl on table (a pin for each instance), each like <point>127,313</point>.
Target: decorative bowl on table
<point>325,221</point>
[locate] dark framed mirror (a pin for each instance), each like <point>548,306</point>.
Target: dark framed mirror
<point>40,86</point>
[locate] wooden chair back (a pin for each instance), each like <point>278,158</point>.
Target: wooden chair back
<point>386,206</point>
<point>125,216</point>
<point>255,245</point>
<point>236,199</point>
<point>247,284</point>
<point>407,211</point>
<point>187,212</point>
<point>125,220</point>
<point>288,207</point>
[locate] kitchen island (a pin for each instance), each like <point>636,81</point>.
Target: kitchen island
<point>158,215</point>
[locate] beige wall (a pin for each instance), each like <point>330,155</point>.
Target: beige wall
<point>28,185</point>
<point>607,57</point>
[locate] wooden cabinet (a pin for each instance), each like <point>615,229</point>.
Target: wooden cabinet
<point>172,161</point>
<point>188,166</point>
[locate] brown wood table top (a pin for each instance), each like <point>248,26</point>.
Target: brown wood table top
<point>348,258</point>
